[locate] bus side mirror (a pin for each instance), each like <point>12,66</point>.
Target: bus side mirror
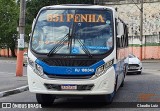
<point>120,29</point>
<point>33,23</point>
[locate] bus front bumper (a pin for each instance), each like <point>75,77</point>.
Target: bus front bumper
<point>101,85</point>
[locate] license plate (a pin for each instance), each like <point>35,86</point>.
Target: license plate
<point>68,87</point>
<point>133,68</point>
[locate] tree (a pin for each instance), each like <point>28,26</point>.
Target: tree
<point>8,24</point>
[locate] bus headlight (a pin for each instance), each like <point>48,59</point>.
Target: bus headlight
<point>31,62</point>
<point>39,69</point>
<point>102,69</point>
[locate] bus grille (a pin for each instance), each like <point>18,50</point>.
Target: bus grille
<point>79,87</point>
<point>70,76</point>
<point>69,62</point>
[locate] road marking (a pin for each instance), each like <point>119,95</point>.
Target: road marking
<point>8,61</point>
<point>24,74</point>
<point>145,96</point>
<point>14,91</point>
<point>6,73</point>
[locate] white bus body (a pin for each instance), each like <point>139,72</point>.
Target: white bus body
<point>78,65</point>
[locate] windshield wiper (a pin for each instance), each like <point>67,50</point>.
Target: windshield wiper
<point>84,48</point>
<point>69,35</point>
<point>58,45</point>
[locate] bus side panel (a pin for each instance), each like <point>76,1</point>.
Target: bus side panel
<point>120,67</point>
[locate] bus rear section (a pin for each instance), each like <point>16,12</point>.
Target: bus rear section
<point>72,52</point>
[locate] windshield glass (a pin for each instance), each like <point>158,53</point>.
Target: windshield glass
<point>81,29</point>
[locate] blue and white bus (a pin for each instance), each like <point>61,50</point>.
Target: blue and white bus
<point>77,50</point>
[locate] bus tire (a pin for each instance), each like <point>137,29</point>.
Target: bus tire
<point>125,73</point>
<point>45,99</point>
<point>108,99</point>
<point>122,84</point>
<point>103,99</point>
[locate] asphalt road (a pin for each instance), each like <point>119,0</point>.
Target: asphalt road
<point>9,67</point>
<point>137,88</point>
<point>8,79</point>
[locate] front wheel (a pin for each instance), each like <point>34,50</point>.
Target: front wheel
<point>122,84</point>
<point>45,99</point>
<point>104,99</point>
<point>107,99</point>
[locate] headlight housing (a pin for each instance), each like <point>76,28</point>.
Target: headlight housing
<point>36,68</point>
<point>102,69</point>
<point>31,62</point>
<point>39,69</point>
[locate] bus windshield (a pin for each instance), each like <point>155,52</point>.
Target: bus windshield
<point>73,31</point>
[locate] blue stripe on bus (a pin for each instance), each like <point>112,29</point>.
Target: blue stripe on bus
<point>63,70</point>
<point>115,69</point>
<point>114,65</point>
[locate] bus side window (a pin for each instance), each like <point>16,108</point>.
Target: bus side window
<point>123,41</point>
<point>117,39</point>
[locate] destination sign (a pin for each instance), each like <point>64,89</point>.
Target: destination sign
<point>75,18</point>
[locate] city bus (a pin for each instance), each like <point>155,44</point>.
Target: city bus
<point>77,50</point>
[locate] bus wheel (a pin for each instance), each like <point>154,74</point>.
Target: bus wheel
<point>125,73</point>
<point>45,99</point>
<point>122,84</point>
<point>104,99</point>
<point>109,98</point>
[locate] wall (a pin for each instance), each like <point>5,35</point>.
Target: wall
<point>149,52</point>
<point>4,52</point>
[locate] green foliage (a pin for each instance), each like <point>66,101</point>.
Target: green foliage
<point>9,13</point>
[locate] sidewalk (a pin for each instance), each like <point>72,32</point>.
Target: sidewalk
<point>151,61</point>
<point>9,83</point>
<point>8,58</point>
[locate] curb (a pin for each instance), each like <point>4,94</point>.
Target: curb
<point>14,91</point>
<point>150,62</point>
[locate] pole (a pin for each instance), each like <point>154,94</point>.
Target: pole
<point>132,34</point>
<point>94,2</point>
<point>141,29</point>
<point>19,66</point>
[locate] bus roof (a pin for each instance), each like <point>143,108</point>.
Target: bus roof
<point>77,6</point>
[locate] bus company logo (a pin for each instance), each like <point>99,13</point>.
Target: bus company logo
<point>6,105</point>
<point>69,70</point>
